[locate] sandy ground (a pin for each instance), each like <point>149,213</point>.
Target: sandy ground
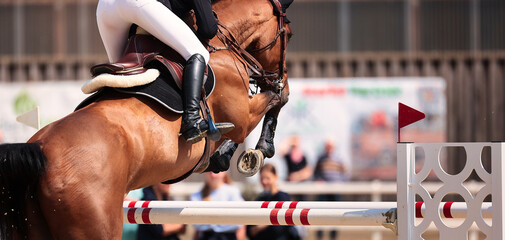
<point>349,233</point>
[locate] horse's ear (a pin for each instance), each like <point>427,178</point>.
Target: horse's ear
<point>285,4</point>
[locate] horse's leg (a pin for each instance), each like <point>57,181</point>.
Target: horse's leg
<point>260,105</point>
<point>82,189</point>
<point>232,109</point>
<point>252,160</point>
<point>38,226</point>
<point>220,159</point>
<point>266,142</point>
<point>244,118</point>
<point>267,104</point>
<point>85,211</point>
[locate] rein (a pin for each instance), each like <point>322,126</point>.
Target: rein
<point>260,76</point>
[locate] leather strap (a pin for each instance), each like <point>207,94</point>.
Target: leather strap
<point>264,79</point>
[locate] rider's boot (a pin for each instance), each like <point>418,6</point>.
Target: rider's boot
<point>194,127</point>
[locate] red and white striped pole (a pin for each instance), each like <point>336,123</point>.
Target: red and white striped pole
<point>453,210</point>
<point>252,216</point>
<point>259,204</point>
<point>277,213</point>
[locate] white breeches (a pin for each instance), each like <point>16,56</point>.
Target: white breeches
<point>114,18</point>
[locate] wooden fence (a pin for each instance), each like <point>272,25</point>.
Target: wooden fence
<point>475,83</point>
<point>475,80</point>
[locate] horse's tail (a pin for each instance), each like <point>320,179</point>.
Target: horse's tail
<point>21,165</point>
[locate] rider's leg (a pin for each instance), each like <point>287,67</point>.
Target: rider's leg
<point>193,127</point>
<point>114,18</point>
<point>113,29</point>
<point>162,23</point>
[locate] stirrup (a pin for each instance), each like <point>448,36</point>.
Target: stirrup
<point>222,128</point>
<point>199,133</point>
<point>225,127</point>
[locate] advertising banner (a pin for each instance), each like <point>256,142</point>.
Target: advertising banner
<point>359,115</point>
<point>55,100</point>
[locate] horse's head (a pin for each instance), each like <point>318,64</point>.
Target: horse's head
<point>269,40</point>
<point>261,28</point>
<point>256,34</point>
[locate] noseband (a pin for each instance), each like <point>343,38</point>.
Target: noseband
<point>259,76</point>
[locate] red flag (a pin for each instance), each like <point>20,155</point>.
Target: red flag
<point>406,116</point>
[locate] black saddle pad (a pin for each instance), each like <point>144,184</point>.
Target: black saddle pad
<point>163,90</point>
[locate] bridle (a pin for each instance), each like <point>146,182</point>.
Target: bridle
<point>258,76</point>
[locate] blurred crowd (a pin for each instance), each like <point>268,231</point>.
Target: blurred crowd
<point>218,187</point>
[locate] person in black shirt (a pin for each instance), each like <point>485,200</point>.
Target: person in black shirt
<point>298,169</point>
<point>271,192</point>
<point>296,162</point>
<point>159,231</point>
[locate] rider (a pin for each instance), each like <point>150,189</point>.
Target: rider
<point>160,18</point>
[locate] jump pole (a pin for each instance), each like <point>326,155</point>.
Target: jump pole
<point>446,209</point>
<point>261,216</point>
<point>259,204</point>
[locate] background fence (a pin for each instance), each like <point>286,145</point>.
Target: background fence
<point>462,41</point>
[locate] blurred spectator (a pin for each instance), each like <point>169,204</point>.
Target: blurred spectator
<point>298,169</point>
<point>1,136</point>
<point>330,168</point>
<point>159,231</point>
<point>268,176</point>
<point>296,162</point>
<point>218,188</point>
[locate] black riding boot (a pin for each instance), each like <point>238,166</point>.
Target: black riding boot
<point>193,126</point>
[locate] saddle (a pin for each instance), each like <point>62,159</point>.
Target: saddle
<point>151,69</point>
<point>140,50</point>
<point>148,68</point>
<point>143,53</point>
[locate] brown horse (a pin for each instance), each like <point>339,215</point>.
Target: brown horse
<point>69,181</point>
